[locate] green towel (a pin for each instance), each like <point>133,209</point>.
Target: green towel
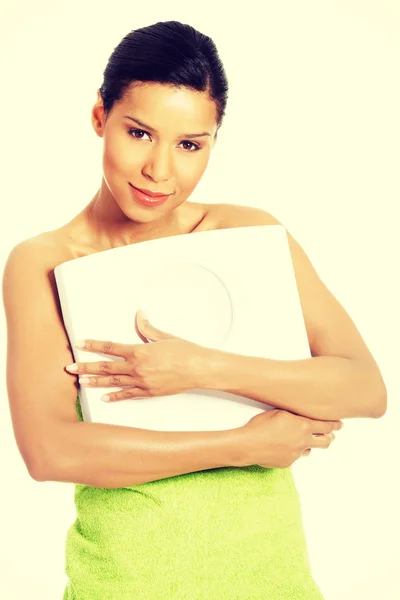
<point>230,533</point>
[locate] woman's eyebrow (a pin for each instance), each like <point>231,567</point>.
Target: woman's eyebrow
<point>187,135</point>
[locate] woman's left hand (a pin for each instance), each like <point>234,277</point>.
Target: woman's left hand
<point>169,366</point>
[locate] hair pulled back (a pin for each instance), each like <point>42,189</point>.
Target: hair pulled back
<point>171,53</point>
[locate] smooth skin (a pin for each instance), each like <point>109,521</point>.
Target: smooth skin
<point>42,393</point>
<point>173,365</point>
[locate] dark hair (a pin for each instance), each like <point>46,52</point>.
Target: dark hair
<point>167,52</point>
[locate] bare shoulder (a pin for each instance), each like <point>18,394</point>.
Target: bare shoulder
<point>43,249</point>
<point>37,244</point>
<point>224,216</point>
<point>29,263</point>
<point>235,215</point>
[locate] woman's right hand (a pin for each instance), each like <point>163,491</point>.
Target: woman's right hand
<point>277,438</point>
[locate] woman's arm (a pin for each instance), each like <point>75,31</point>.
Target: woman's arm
<point>341,380</point>
<point>323,387</point>
<point>54,445</point>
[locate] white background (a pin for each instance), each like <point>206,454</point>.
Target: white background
<point>311,135</point>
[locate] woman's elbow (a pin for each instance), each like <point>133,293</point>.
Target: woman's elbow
<point>380,406</point>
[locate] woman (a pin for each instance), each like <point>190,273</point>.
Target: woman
<point>188,515</point>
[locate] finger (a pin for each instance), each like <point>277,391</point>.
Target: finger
<point>102,368</point>
<point>111,381</point>
<point>149,331</point>
<point>322,441</point>
<point>127,394</point>
<point>306,452</point>
<point>105,347</point>
<point>325,426</point>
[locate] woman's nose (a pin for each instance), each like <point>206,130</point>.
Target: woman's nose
<point>158,165</point>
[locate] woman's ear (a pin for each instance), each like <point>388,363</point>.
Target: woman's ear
<point>98,115</point>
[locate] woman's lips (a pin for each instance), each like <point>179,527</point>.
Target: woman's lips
<point>147,200</point>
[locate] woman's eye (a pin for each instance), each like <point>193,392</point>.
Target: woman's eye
<point>195,146</point>
<point>135,131</point>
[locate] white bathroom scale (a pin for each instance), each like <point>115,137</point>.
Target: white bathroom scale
<point>230,289</point>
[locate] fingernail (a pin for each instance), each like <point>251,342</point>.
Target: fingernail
<point>79,344</point>
<point>106,398</point>
<point>143,314</point>
<point>73,367</point>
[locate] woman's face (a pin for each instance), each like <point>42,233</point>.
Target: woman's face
<point>147,144</point>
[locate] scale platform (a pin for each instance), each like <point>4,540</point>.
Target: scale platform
<point>230,289</point>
